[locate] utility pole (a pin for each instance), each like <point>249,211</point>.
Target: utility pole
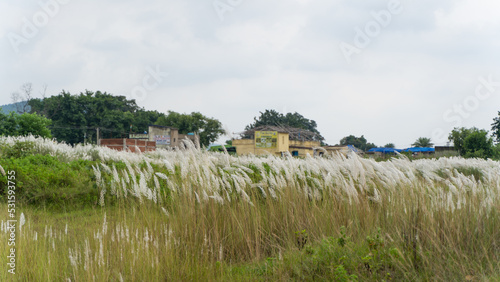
<point>98,137</point>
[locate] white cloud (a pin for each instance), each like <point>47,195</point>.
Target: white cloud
<point>480,14</point>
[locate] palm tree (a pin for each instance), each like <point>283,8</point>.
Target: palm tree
<point>423,142</point>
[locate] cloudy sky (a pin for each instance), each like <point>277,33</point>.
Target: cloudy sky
<point>390,70</point>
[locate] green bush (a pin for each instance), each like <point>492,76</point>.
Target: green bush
<point>14,124</point>
<point>44,180</point>
<point>335,259</point>
<point>20,149</point>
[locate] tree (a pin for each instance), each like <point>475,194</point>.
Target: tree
<point>34,124</point>
<point>209,129</point>
<point>295,120</point>
<point>358,142</point>
<point>25,124</point>
<point>67,114</point>
<point>8,124</point>
<point>423,142</point>
<point>390,145</point>
<point>76,117</point>
<point>495,128</point>
<point>458,135</point>
<point>472,142</point>
<point>478,145</point>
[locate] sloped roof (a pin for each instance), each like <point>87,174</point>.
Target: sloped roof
<point>294,133</point>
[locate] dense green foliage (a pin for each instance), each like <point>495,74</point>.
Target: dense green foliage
<point>75,117</point>
<point>458,135</point>
<point>335,258</point>
<point>209,129</point>
<point>478,145</point>
<point>473,143</point>
<point>45,181</point>
<point>296,120</point>
<point>13,124</point>
<point>358,142</point>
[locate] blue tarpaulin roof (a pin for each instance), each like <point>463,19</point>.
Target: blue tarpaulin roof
<point>385,150</point>
<point>391,150</point>
<point>419,149</point>
<point>352,148</point>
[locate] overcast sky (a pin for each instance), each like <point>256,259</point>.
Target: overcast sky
<point>392,71</point>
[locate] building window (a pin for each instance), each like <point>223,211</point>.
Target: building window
<point>295,153</point>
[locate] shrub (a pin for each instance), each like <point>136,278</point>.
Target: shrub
<point>44,180</point>
<point>18,150</point>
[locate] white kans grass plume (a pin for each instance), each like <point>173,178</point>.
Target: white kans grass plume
<point>101,197</point>
<point>22,221</point>
<point>225,178</point>
<point>161,175</point>
<point>106,168</point>
<point>348,178</point>
<point>97,173</point>
<point>164,211</point>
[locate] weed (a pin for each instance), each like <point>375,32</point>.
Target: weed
<point>301,238</point>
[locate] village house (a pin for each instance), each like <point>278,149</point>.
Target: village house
<point>279,141</point>
<point>157,136</point>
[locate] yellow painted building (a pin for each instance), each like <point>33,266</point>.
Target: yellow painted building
<point>277,143</point>
<point>264,142</point>
<point>302,148</point>
<point>274,143</point>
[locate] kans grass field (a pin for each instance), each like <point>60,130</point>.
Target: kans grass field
<point>87,213</point>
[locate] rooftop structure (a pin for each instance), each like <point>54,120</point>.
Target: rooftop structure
<point>285,140</point>
<point>157,136</point>
<point>298,134</point>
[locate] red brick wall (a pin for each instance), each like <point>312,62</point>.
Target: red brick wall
<point>117,144</point>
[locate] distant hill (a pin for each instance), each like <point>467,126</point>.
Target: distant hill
<point>13,107</point>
